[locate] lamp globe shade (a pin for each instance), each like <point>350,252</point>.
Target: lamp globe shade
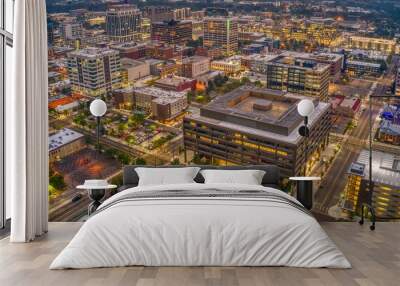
<point>305,107</point>
<point>98,108</point>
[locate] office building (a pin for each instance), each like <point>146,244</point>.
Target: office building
<point>258,63</point>
<point>212,53</point>
<point>221,32</point>
<point>335,61</point>
<point>297,75</point>
<point>123,22</point>
<point>94,71</point>
<point>158,13</point>
<point>71,31</point>
<point>194,66</point>
<point>172,32</point>
<point>397,83</point>
<point>257,126</point>
<point>385,196</point>
<point>359,68</point>
<point>374,44</point>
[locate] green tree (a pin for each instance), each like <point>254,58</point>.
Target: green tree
<point>125,159</point>
<point>140,161</point>
<point>139,117</point>
<point>57,181</point>
<point>175,161</point>
<point>131,140</point>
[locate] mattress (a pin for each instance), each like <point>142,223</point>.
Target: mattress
<point>201,225</point>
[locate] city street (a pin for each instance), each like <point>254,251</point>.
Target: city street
<point>334,182</point>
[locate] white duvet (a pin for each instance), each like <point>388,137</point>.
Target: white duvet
<point>202,232</point>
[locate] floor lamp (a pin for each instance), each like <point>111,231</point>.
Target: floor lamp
<point>98,108</point>
<point>305,108</point>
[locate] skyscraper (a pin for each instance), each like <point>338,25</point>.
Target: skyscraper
<point>94,71</point>
<point>123,22</point>
<point>221,32</point>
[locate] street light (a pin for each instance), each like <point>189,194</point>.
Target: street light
<point>305,108</point>
<point>98,108</point>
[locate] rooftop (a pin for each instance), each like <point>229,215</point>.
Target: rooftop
<point>63,137</point>
<point>234,60</point>
<point>171,23</point>
<point>173,80</point>
<point>361,63</point>
<point>160,93</point>
<point>385,167</point>
<point>194,59</point>
<point>377,40</point>
<point>127,63</point>
<point>122,8</point>
<point>93,53</point>
<point>299,62</point>
<point>318,56</point>
<point>129,45</point>
<point>259,111</point>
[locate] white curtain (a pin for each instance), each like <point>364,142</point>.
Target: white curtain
<point>27,124</point>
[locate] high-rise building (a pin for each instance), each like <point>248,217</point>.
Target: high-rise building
<point>172,32</point>
<point>221,32</point>
<point>71,31</point>
<point>123,22</point>
<point>163,13</point>
<point>257,126</point>
<point>94,71</point>
<point>295,74</point>
<point>158,13</point>
<point>397,84</point>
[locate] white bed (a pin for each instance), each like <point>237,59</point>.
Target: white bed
<point>202,231</point>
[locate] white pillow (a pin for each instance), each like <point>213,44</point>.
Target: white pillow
<point>246,177</point>
<point>166,176</point>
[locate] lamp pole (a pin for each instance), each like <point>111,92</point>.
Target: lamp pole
<point>98,108</point>
<point>306,143</point>
<point>305,108</point>
<point>98,133</point>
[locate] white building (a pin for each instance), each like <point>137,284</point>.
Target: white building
<point>163,104</point>
<point>94,71</point>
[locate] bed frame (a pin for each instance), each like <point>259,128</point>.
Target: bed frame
<point>271,178</point>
